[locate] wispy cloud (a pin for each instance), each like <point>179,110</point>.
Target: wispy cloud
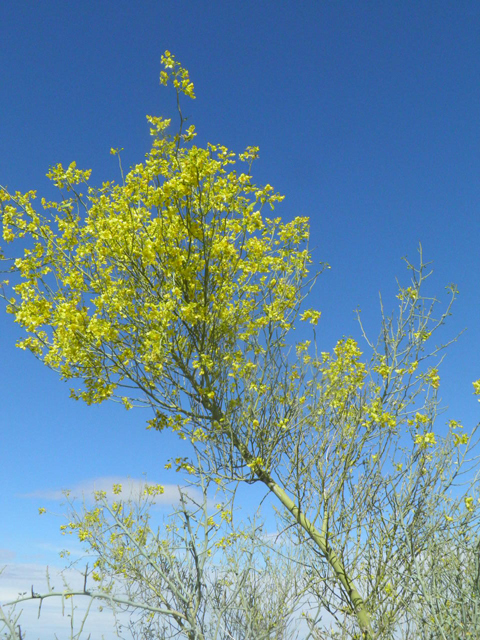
<point>7,555</point>
<point>132,489</point>
<point>74,551</point>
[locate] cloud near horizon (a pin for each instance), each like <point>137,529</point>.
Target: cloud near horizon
<point>20,578</point>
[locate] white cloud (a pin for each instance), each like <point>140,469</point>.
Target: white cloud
<point>131,489</point>
<point>19,579</point>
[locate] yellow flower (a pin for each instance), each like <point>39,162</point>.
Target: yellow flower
<point>425,440</point>
<point>454,424</point>
<point>433,378</point>
<point>408,294</point>
<point>382,369</point>
<point>256,463</point>
<point>458,440</point>
<point>153,490</point>
<point>311,315</point>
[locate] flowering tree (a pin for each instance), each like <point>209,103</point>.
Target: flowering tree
<point>196,577</point>
<point>173,290</point>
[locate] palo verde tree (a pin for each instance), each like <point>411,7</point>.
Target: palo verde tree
<point>174,290</point>
<point>198,576</point>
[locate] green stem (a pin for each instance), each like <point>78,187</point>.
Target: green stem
<point>334,561</point>
<point>319,538</point>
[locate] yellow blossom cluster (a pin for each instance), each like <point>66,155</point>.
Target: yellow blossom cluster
<point>425,440</point>
<point>159,275</point>
<point>344,374</point>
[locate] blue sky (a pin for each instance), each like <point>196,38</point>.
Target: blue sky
<point>367,115</point>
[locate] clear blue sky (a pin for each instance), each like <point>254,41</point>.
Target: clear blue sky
<point>367,115</point>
